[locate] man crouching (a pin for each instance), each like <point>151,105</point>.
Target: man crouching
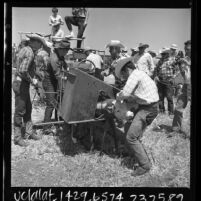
<point>143,90</point>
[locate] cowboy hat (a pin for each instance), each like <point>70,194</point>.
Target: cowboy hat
<point>63,44</point>
<point>174,47</point>
<point>87,49</point>
<point>37,38</point>
<point>152,52</point>
<point>120,64</point>
<point>143,45</point>
<point>115,43</point>
<point>165,51</point>
<point>135,49</point>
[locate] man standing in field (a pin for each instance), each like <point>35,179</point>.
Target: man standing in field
<point>141,89</point>
<point>143,60</point>
<point>21,84</point>
<point>164,75</point>
<point>184,66</point>
<point>97,62</point>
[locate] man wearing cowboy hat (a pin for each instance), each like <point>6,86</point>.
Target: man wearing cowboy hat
<point>164,75</point>
<point>142,90</point>
<point>23,108</point>
<point>143,60</point>
<point>115,47</point>
<point>96,60</point>
<point>173,50</point>
<point>184,66</point>
<point>45,73</point>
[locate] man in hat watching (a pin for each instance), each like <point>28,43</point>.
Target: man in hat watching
<point>45,74</point>
<point>173,50</point>
<point>184,66</point>
<point>21,84</point>
<point>164,75</point>
<point>95,60</point>
<point>142,90</point>
<point>115,47</point>
<point>143,60</point>
<point>79,19</point>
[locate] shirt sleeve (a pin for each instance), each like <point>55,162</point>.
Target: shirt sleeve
<point>151,64</point>
<point>50,21</point>
<point>61,20</point>
<point>130,86</point>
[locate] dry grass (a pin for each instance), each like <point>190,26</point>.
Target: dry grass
<point>54,161</point>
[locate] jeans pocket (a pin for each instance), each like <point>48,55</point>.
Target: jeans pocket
<point>150,117</point>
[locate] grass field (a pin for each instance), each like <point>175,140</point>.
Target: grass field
<point>50,161</point>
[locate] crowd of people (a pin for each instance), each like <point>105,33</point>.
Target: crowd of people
<point>144,76</point>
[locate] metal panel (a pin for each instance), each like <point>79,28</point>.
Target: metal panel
<point>81,95</point>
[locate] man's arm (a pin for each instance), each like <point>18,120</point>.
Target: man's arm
<point>130,86</point>
<point>50,21</point>
<point>151,65</point>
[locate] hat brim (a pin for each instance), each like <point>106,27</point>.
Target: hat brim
<point>37,38</point>
<point>144,45</point>
<point>120,64</point>
<point>115,45</point>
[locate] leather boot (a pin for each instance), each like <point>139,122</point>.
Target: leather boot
<point>18,139</point>
<point>30,132</point>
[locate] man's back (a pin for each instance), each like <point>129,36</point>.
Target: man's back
<point>96,59</point>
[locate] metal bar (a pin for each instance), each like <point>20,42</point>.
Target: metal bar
<point>48,123</point>
<point>85,121</point>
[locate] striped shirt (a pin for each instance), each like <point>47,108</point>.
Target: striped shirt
<point>166,69</point>
<point>42,61</point>
<point>25,63</point>
<point>141,88</point>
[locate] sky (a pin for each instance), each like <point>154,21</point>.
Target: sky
<point>156,27</point>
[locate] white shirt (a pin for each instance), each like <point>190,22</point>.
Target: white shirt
<point>59,34</point>
<point>141,88</point>
<point>96,59</point>
<point>54,20</point>
<point>144,62</point>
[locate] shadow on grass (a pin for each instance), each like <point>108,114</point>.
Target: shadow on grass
<point>163,127</point>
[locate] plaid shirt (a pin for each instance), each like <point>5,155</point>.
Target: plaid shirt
<point>166,69</point>
<point>25,61</point>
<point>141,88</point>
<point>79,12</point>
<point>185,65</point>
<point>42,61</point>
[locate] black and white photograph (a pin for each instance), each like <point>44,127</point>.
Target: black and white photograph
<point>101,97</point>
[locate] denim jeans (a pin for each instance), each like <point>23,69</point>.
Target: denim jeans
<point>23,108</point>
<point>134,132</point>
<point>166,90</point>
<point>180,106</point>
<point>76,21</point>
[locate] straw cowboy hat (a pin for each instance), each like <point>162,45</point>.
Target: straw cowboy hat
<point>143,45</point>
<point>37,38</point>
<point>120,64</point>
<point>87,49</point>
<point>165,51</point>
<point>115,43</point>
<point>174,47</point>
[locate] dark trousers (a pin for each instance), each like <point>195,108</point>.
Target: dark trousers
<point>23,107</point>
<point>76,21</point>
<point>166,91</point>
<point>134,131</point>
<point>180,106</point>
<point>50,86</point>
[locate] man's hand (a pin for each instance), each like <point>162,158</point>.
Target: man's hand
<point>156,79</point>
<point>35,81</point>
